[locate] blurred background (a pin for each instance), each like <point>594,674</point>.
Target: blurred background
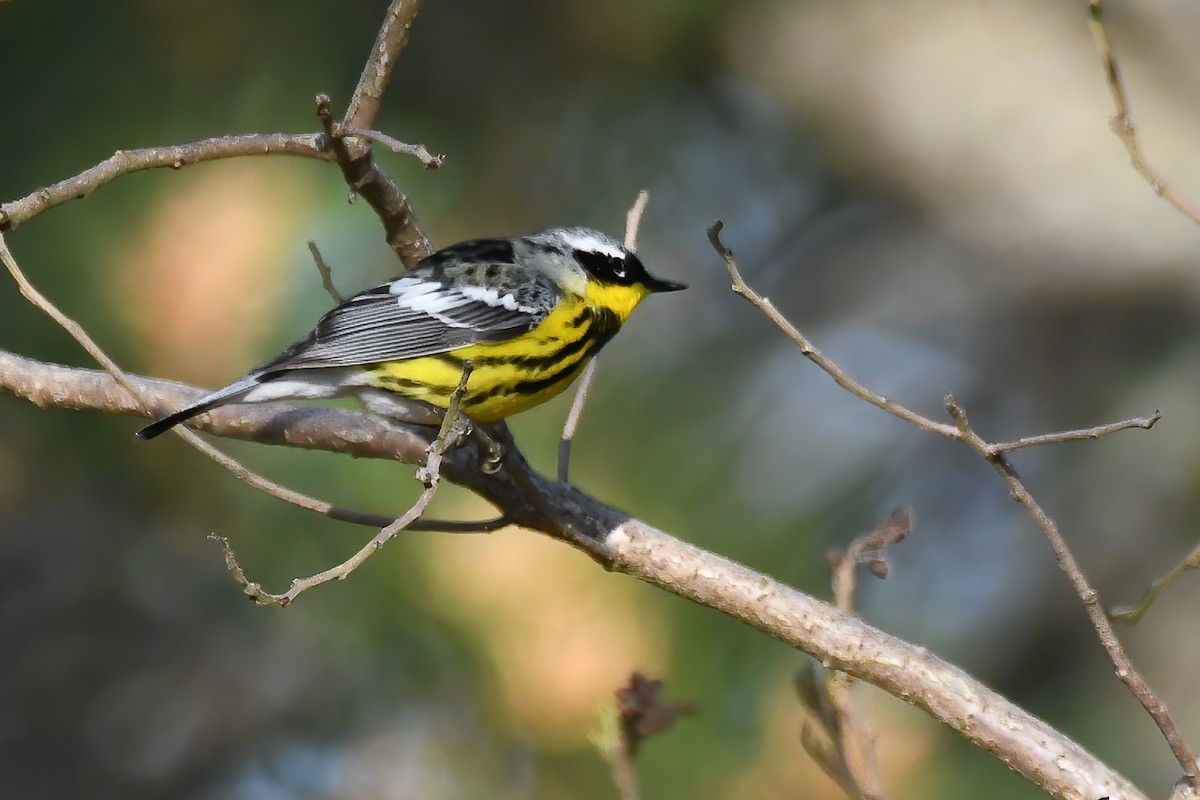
<point>929,190</point>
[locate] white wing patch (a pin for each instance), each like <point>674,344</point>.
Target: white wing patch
<point>436,299</point>
<point>429,297</point>
<point>490,297</point>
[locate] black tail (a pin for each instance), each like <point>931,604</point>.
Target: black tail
<point>220,397</point>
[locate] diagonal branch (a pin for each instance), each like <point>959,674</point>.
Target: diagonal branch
<point>812,353</point>
<point>377,73</point>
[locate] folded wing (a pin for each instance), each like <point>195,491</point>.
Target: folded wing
<point>412,317</point>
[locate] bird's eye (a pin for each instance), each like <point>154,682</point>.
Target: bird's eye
<point>602,265</point>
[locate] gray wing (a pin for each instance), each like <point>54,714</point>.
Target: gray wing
<point>421,315</point>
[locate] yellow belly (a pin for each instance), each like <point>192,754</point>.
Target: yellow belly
<point>520,373</point>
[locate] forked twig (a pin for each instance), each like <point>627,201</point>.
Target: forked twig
<point>962,431</point>
<point>633,223</point>
<point>430,474</point>
<point>1087,594</point>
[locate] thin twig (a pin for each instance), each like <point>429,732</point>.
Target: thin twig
<point>176,156</point>
<point>1134,614</point>
<point>240,471</point>
<point>326,273</point>
<point>1145,423</point>
<point>852,758</point>
<point>813,354</point>
<point>418,151</point>
<point>633,222</point>
<point>460,526</point>
<point>1122,120</point>
<point>429,474</point>
<point>572,424</point>
<point>1087,593</point>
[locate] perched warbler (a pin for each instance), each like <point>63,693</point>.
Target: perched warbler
<point>529,312</point>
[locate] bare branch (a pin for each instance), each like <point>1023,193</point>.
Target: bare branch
<point>1145,423</point>
<point>1122,121</point>
<point>1086,592</point>
<point>377,72</point>
<point>813,354</point>
<point>820,732</point>
<point>1134,614</point>
<point>177,156</point>
<point>867,548</point>
<point>418,151</point>
<point>633,222</point>
<point>572,424</point>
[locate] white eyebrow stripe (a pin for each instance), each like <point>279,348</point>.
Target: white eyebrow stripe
<point>589,242</point>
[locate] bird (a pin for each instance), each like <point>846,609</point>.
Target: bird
<point>528,312</point>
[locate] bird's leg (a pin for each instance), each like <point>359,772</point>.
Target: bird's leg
<point>491,450</point>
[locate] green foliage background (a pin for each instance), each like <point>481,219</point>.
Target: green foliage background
<point>869,185</point>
